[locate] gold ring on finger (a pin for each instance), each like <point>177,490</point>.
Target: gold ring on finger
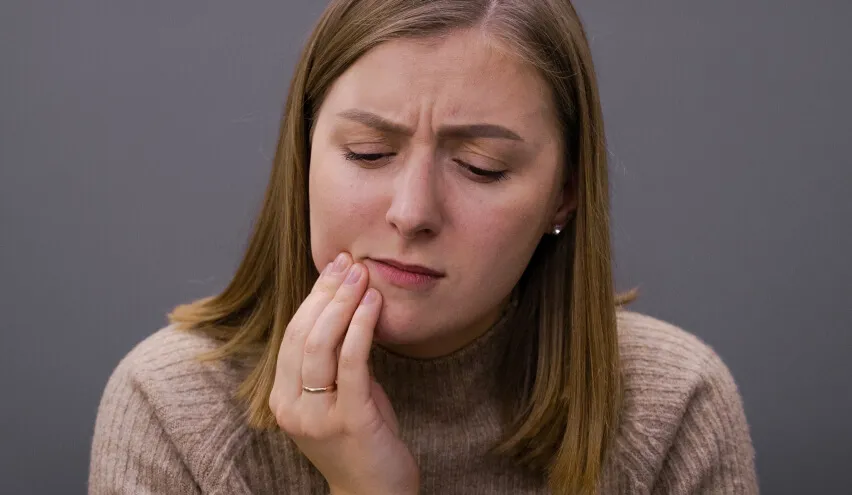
<point>319,390</point>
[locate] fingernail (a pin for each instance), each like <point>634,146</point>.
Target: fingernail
<point>354,275</point>
<point>370,296</point>
<point>339,263</point>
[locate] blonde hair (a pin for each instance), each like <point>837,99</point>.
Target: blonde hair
<point>566,381</point>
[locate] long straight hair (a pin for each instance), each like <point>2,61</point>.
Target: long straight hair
<point>564,366</point>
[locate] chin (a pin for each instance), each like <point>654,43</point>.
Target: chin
<point>400,326</point>
<point>414,328</point>
<point>406,323</point>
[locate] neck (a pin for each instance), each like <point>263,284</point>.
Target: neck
<point>448,385</point>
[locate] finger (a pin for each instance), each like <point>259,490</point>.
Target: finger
<point>288,372</point>
<point>319,364</point>
<point>353,371</point>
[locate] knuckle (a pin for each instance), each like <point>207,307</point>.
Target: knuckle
<point>314,345</point>
<point>344,295</point>
<point>321,343</point>
<point>361,318</point>
<point>336,307</point>
<point>317,298</point>
<point>297,422</point>
<point>358,424</point>
<point>348,362</point>
<point>296,425</point>
<point>317,427</point>
<point>293,331</point>
<point>284,418</point>
<point>374,423</point>
<point>311,428</point>
<point>291,334</point>
<point>327,286</point>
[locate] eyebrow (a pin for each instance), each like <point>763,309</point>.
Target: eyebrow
<point>451,131</point>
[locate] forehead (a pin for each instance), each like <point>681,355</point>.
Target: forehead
<point>461,77</point>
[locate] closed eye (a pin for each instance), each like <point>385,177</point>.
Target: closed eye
<point>492,175</point>
<point>365,157</point>
<point>495,175</point>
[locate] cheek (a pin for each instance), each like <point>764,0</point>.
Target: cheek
<point>500,241</point>
<point>340,210</point>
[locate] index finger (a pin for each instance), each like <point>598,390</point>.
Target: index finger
<point>288,370</point>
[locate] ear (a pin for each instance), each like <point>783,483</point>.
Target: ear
<point>565,204</point>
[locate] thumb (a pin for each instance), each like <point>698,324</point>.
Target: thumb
<point>380,398</point>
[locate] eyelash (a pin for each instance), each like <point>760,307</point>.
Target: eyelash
<point>371,157</point>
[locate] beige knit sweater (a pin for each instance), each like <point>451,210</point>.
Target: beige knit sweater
<point>167,424</point>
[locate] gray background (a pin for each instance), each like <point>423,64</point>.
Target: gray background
<point>136,137</point>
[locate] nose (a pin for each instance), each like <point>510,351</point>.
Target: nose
<point>416,203</point>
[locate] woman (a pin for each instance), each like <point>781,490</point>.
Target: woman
<point>426,304</point>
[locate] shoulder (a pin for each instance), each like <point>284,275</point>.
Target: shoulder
<point>650,346</point>
<point>166,369</point>
<point>169,358</point>
<point>664,367</point>
<point>182,398</point>
<point>679,397</point>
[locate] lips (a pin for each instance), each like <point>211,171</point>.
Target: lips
<point>411,268</point>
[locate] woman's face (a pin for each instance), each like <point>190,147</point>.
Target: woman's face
<point>442,153</point>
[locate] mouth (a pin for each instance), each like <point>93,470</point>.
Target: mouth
<point>423,270</point>
<point>403,275</point>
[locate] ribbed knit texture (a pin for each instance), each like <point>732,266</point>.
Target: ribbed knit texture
<point>169,424</point>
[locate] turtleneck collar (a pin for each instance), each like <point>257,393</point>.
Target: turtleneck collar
<point>448,386</point>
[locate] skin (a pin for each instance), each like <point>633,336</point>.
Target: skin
<point>416,200</point>
<point>416,203</point>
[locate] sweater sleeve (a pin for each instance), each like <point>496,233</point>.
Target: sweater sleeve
<point>131,452</point>
<point>712,451</point>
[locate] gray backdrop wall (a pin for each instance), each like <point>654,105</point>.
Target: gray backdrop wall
<point>136,137</point>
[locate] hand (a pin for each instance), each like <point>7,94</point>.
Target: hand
<point>350,434</point>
